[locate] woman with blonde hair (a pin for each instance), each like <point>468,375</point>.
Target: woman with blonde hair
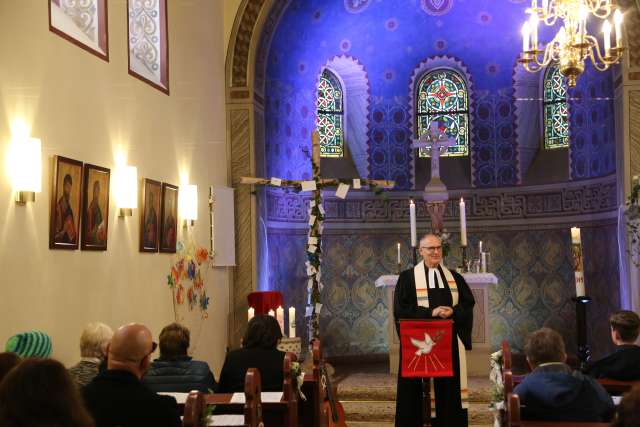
<point>94,341</point>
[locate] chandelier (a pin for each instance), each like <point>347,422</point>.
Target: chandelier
<point>572,45</point>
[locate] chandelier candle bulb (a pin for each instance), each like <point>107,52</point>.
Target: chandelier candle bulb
<point>545,6</point>
<point>606,29</point>
<point>463,223</point>
<point>526,33</point>
<point>412,223</point>
<point>292,322</point>
<point>617,22</point>
<point>280,318</point>
<point>534,32</point>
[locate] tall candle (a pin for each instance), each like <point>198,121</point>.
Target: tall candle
<point>463,223</point>
<point>480,246</point>
<point>576,252</point>
<point>398,252</point>
<point>292,322</point>
<point>575,235</point>
<point>606,29</point>
<point>271,313</point>
<point>251,313</point>
<point>412,222</point>
<point>483,262</point>
<point>280,318</point>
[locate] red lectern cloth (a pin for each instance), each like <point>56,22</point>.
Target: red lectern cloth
<point>426,348</point>
<point>262,302</point>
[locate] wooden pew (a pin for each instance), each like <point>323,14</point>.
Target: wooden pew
<point>277,414</point>
<point>514,420</point>
<point>615,387</point>
<point>195,405</point>
<point>310,410</point>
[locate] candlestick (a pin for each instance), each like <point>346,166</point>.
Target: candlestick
<point>251,312</point>
<point>412,223</point>
<point>463,223</point>
<point>280,318</point>
<point>292,322</point>
<point>465,264</point>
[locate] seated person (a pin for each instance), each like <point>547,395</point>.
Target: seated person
<point>552,391</point>
<point>30,344</point>
<point>40,392</point>
<point>7,362</point>
<point>174,371</point>
<point>628,413</point>
<point>117,397</point>
<point>624,363</point>
<point>93,351</point>
<point>259,350</point>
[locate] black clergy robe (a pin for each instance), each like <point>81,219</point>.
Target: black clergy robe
<point>409,400</point>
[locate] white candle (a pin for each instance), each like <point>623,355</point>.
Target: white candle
<point>463,223</point>
<point>534,31</point>
<point>580,291</point>
<point>251,313</point>
<point>292,322</point>
<point>575,236</point>
<point>617,22</point>
<point>526,34</point>
<point>398,252</point>
<point>272,313</point>
<point>412,223</point>
<point>483,261</point>
<point>280,318</point>
<point>606,29</point>
<point>480,246</point>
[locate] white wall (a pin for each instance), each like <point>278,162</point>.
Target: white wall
<point>87,109</point>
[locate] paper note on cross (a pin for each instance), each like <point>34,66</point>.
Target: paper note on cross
<point>316,216</point>
<point>436,142</point>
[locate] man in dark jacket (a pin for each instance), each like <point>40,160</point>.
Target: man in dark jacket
<point>552,391</point>
<point>624,363</point>
<point>117,397</point>
<point>175,371</point>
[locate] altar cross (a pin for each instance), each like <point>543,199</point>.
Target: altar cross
<point>316,216</point>
<point>437,142</point>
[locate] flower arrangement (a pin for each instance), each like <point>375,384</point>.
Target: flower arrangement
<point>298,373</point>
<point>185,278</point>
<point>497,389</point>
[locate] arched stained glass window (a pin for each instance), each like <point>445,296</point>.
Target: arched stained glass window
<point>443,98</point>
<point>330,116</point>
<point>556,110</point>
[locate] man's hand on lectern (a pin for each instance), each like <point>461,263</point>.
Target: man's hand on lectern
<point>442,311</point>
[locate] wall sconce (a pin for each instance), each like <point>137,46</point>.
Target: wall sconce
<point>25,168</point>
<point>188,203</point>
<point>126,190</point>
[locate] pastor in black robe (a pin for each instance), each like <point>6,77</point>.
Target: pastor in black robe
<point>409,400</point>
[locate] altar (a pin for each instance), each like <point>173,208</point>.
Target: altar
<point>478,357</point>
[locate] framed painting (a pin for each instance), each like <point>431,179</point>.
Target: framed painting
<point>169,226</point>
<point>83,23</point>
<point>95,208</point>
<point>66,198</point>
<point>148,42</point>
<point>150,216</point>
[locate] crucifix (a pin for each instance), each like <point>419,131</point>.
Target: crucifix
<point>436,141</point>
<point>316,216</point>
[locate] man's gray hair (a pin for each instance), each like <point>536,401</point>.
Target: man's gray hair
<point>426,236</point>
<point>94,340</point>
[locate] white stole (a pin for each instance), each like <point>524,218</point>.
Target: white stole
<point>422,293</point>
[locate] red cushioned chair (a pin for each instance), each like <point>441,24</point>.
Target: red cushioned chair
<point>262,302</point>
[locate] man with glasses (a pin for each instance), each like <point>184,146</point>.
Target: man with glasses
<point>117,397</point>
<point>432,291</point>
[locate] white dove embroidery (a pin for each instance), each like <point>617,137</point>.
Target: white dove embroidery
<point>424,347</point>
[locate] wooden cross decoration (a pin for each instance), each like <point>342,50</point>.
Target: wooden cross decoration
<point>316,216</point>
<point>437,142</point>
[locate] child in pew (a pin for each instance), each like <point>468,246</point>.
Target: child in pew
<point>624,363</point>
<point>552,391</point>
<point>259,350</point>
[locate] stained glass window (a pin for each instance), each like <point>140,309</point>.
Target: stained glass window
<point>330,116</point>
<point>556,110</point>
<point>443,98</point>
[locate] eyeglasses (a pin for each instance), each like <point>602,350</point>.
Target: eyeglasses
<point>431,248</point>
<point>154,346</point>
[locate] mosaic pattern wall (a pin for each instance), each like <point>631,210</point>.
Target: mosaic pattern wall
<point>534,290</point>
<point>390,39</point>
